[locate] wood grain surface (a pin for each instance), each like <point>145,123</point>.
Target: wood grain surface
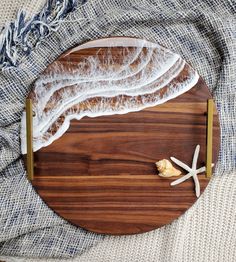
<point>101,174</point>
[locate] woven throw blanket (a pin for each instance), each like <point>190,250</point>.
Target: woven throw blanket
<point>9,9</point>
<point>202,32</point>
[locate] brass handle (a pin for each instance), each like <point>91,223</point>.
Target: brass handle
<point>29,139</point>
<point>210,112</point>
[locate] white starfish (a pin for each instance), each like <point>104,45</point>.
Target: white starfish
<point>192,171</point>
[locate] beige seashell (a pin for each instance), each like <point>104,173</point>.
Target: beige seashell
<point>166,169</point>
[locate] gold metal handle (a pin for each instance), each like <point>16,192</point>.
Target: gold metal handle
<point>210,114</point>
<point>29,137</point>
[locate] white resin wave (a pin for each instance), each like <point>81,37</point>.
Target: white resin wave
<point>139,74</point>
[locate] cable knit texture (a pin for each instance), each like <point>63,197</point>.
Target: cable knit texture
<point>204,33</point>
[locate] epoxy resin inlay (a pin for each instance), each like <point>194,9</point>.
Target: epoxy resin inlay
<point>119,75</point>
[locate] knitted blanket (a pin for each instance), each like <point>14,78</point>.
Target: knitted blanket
<point>204,33</point>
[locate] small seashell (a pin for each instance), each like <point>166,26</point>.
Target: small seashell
<point>166,169</point>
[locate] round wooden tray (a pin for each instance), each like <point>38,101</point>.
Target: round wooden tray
<point>101,174</point>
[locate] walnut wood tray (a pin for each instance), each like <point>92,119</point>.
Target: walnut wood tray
<point>101,174</point>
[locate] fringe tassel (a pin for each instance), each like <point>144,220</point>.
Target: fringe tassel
<point>19,37</point>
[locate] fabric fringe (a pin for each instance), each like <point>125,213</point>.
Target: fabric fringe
<point>18,38</point>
